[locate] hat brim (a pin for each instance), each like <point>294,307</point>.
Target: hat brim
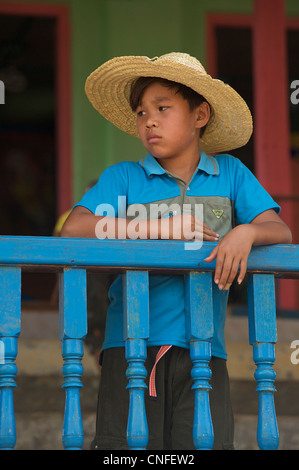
<point>108,89</point>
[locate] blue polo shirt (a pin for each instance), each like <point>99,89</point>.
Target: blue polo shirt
<point>229,193</point>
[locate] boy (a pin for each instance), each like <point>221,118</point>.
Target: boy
<point>181,115</point>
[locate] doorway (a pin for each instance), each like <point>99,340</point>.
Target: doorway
<point>27,132</point>
<point>34,127</point>
<point>234,66</point>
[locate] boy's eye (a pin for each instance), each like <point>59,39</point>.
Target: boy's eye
<point>140,113</point>
<point>162,108</point>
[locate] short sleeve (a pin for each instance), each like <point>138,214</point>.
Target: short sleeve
<point>108,195</point>
<point>250,198</point>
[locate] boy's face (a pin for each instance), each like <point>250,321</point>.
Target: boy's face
<point>166,126</point>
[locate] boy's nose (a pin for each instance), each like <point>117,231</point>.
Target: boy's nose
<point>151,122</point>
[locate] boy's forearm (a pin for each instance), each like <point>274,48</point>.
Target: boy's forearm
<point>270,233</point>
<point>118,228</point>
<point>93,226</point>
<point>109,227</point>
<point>84,224</point>
<point>79,227</point>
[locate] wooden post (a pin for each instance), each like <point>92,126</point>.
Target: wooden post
<point>73,329</point>
<point>10,327</point>
<point>136,333</point>
<point>271,115</point>
<point>263,336</point>
<point>199,327</point>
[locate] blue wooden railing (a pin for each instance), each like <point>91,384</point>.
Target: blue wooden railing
<point>137,260</point>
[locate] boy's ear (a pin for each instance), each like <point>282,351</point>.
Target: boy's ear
<point>203,114</point>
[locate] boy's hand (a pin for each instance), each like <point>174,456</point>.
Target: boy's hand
<point>187,227</point>
<point>233,250</point>
<point>232,253</point>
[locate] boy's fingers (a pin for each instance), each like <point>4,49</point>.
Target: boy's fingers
<point>243,269</point>
<point>225,284</point>
<point>209,234</point>
<point>212,255</point>
<point>233,272</point>
<point>210,238</point>
<point>224,274</point>
<point>208,231</point>
<point>219,267</point>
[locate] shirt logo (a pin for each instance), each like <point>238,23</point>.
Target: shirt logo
<point>217,212</point>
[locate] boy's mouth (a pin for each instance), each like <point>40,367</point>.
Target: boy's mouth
<point>152,138</point>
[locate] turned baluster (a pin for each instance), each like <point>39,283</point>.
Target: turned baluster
<point>263,336</point>
<point>10,327</point>
<point>199,327</point>
<point>136,332</point>
<point>73,329</point>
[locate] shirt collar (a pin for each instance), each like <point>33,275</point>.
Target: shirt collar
<point>151,165</point>
<point>207,163</point>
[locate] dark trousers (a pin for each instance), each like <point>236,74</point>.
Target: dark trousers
<point>170,415</point>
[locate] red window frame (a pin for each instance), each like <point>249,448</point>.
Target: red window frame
<point>63,92</point>
<point>265,158</point>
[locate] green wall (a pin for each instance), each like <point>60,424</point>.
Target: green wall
<point>102,29</point>
<point>141,27</point>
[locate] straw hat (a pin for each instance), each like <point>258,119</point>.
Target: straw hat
<point>108,89</point>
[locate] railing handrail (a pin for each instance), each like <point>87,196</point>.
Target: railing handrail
<point>156,255</point>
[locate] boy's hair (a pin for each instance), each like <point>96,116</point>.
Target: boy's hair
<point>139,86</point>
